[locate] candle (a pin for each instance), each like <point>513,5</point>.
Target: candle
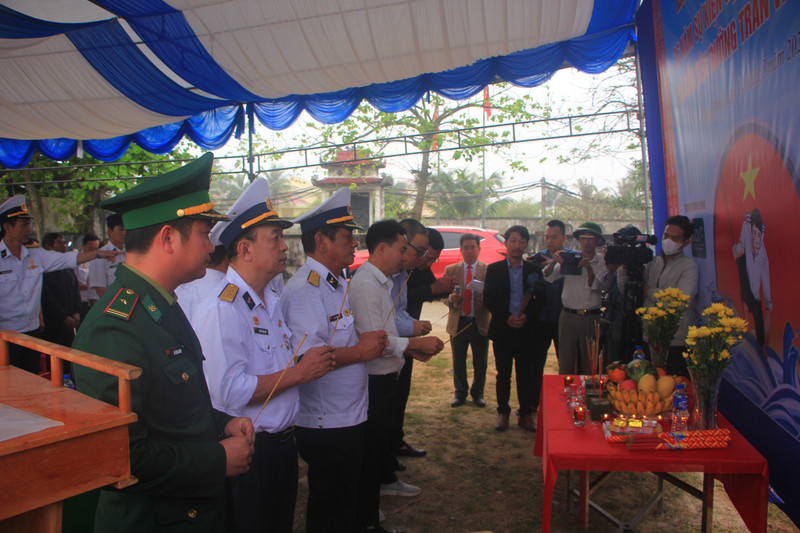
<point>580,415</point>
<point>605,417</point>
<point>567,383</point>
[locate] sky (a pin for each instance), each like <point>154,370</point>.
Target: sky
<point>569,92</point>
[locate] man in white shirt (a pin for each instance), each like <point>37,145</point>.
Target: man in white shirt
<point>333,409</point>
<point>89,243</point>
<point>370,297</point>
<point>102,273</point>
<point>191,295</point>
<point>21,270</point>
<point>581,299</point>
<point>248,351</point>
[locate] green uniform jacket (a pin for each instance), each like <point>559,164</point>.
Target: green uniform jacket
<point>174,446</point>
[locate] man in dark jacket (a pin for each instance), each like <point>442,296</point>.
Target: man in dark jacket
<point>514,294</point>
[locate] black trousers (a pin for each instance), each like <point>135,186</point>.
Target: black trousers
<point>264,496</point>
<point>514,350</point>
<point>377,446</point>
<point>396,433</point>
<point>25,358</point>
<point>545,333</point>
<point>334,457</point>
<point>469,338</point>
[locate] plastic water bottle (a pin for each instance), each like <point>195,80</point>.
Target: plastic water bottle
<point>680,409</point>
<point>68,383</point>
<point>638,353</point>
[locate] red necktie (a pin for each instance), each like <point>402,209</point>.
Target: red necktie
<point>468,292</point>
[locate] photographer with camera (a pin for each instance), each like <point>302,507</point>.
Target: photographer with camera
<point>672,268</point>
<point>584,274</point>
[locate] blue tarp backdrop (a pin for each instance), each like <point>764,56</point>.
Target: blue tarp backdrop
<point>727,75</point>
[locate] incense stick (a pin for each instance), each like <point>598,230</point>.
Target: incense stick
<point>441,317</point>
<point>341,308</point>
<point>395,301</point>
<point>280,377</point>
<point>457,334</point>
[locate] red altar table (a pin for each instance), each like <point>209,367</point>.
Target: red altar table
<point>562,446</point>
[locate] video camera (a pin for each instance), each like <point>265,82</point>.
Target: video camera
<point>630,250</point>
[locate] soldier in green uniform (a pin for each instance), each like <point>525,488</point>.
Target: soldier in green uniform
<point>181,449</point>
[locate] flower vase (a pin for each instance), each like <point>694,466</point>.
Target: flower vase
<point>705,386</point>
<point>658,356</point>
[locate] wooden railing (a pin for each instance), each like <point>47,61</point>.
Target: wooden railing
<point>125,373</point>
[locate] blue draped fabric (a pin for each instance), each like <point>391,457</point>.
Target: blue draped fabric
<point>652,116</point>
<point>117,58</point>
<point>16,25</point>
<point>211,123</point>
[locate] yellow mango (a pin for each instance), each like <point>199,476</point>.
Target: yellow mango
<point>647,384</point>
<point>665,386</point>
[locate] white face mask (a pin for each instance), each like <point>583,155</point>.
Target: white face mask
<point>671,247</point>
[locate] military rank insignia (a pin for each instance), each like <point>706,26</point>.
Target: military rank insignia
<point>3,253</point>
<point>121,306</point>
<point>229,292</point>
<point>313,278</point>
<point>248,300</point>
<point>332,281</point>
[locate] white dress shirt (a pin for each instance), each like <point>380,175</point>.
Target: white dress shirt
<point>370,297</point>
<point>101,272</point>
<point>312,302</point>
<point>241,340</point>
<point>577,293</point>
<point>191,295</point>
<point>21,284</point>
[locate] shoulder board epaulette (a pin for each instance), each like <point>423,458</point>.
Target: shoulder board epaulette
<point>229,292</point>
<point>313,278</point>
<point>3,253</point>
<point>121,306</point>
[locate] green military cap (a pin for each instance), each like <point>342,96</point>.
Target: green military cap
<point>590,228</point>
<point>180,193</point>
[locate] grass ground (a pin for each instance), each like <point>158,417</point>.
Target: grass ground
<point>476,479</point>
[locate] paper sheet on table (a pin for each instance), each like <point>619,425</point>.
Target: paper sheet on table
<point>475,285</point>
<point>15,423</point>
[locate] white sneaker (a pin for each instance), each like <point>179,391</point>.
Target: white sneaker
<point>381,516</point>
<point>398,488</point>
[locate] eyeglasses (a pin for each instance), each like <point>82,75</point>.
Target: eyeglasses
<point>420,252</point>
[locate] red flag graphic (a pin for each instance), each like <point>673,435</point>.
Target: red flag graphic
<point>487,105</point>
<point>756,175</point>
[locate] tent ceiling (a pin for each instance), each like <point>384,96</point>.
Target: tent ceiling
<point>107,69</point>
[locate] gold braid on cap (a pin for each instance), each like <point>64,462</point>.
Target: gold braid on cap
<point>259,218</point>
<point>340,219</point>
<point>194,210</point>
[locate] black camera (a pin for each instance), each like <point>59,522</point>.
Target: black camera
<point>630,250</point>
<point>538,258</point>
<point>571,261</point>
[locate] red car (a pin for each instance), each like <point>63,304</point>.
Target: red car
<point>492,248</point>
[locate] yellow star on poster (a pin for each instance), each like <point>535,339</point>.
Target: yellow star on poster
<point>749,178</point>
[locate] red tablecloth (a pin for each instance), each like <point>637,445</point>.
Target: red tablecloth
<point>562,446</point>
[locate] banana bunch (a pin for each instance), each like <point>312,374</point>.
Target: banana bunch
<point>640,403</point>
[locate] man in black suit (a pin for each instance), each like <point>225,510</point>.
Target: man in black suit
<point>514,293</point>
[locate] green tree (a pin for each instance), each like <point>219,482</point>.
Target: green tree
<point>79,184</point>
<point>458,193</point>
<point>433,123</point>
<point>630,189</point>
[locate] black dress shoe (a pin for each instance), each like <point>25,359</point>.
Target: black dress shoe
<point>458,401</point>
<point>407,451</point>
<point>479,401</point>
<point>400,466</point>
